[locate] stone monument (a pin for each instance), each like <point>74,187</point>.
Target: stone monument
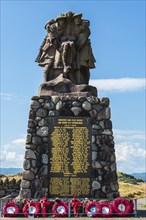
<point>69,144</point>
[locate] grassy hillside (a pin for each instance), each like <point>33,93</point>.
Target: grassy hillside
<point>131,187</point>
<point>126,178</point>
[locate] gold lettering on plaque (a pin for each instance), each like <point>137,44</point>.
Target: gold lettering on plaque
<point>70,162</point>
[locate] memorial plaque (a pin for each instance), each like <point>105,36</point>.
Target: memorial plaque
<point>70,157</point>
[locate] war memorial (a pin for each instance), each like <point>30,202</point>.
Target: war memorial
<point>70,151</point>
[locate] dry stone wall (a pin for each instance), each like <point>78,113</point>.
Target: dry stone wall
<point>10,185</point>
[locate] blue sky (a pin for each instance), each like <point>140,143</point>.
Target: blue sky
<point>118,42</point>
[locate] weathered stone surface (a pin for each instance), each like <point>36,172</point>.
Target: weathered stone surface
<point>87,106</point>
<point>29,154</point>
<point>113,167</point>
<point>37,184</point>
<point>39,194</point>
<point>31,123</point>
<point>36,140</point>
<point>76,110</point>
<point>94,147</point>
<point>108,124</point>
<point>30,146</point>
<point>34,105</point>
<point>55,99</point>
<point>76,104</point>
<point>96,185</point>
<point>41,112</point>
<point>93,139</point>
<point>113,195</point>
<point>107,113</point>
<point>43,171</point>
<point>53,113</point>
<point>34,170</point>
<point>44,158</point>
<point>33,163</point>
<point>38,119</point>
<point>114,186</point>
<point>28,138</point>
<point>28,175</point>
<point>41,101</point>
<point>2,193</point>
<point>25,193</point>
<point>94,155</point>
<point>98,107</point>
<point>43,131</point>
<point>59,105</point>
<point>104,101</point>
<point>49,105</point>
<point>106,189</point>
<point>101,123</point>
<point>93,99</point>
<point>95,126</point>
<point>93,113</point>
<point>42,122</point>
<point>107,132</point>
<point>104,114</point>
<point>113,158</point>
<point>26,164</point>
<point>62,86</point>
<point>98,165</point>
<point>25,184</point>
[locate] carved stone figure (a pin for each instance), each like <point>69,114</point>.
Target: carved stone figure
<point>66,49</point>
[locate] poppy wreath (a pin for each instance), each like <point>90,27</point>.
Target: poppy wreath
<point>10,209</point>
<point>106,209</point>
<point>123,207</point>
<point>92,209</point>
<point>44,204</point>
<point>31,205</point>
<point>60,209</point>
<point>75,204</point>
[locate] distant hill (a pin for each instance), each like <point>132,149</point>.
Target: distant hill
<point>7,171</point>
<point>126,178</point>
<point>140,176</point>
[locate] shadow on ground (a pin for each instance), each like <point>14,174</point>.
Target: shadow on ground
<point>141,213</point>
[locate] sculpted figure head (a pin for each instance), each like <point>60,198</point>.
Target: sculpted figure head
<point>61,20</point>
<point>77,19</point>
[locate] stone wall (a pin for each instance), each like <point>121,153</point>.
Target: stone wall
<point>10,185</point>
<point>104,178</point>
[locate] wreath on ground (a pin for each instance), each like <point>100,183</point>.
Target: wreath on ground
<point>122,207</point>
<point>10,209</point>
<point>31,208</point>
<point>92,209</point>
<point>60,209</point>
<point>106,209</point>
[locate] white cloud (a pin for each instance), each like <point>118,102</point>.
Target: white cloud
<point>130,150</point>
<point>23,100</point>
<point>11,159</point>
<point>19,141</point>
<point>130,157</point>
<point>8,96</point>
<point>129,135</point>
<point>12,154</point>
<point>119,85</point>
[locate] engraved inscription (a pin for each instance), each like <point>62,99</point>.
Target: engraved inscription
<point>70,160</point>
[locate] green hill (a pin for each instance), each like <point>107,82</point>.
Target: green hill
<point>126,178</point>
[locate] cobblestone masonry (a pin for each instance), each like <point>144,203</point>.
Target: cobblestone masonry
<point>34,182</point>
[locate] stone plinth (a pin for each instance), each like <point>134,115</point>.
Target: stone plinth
<point>35,177</point>
<point>62,86</point>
